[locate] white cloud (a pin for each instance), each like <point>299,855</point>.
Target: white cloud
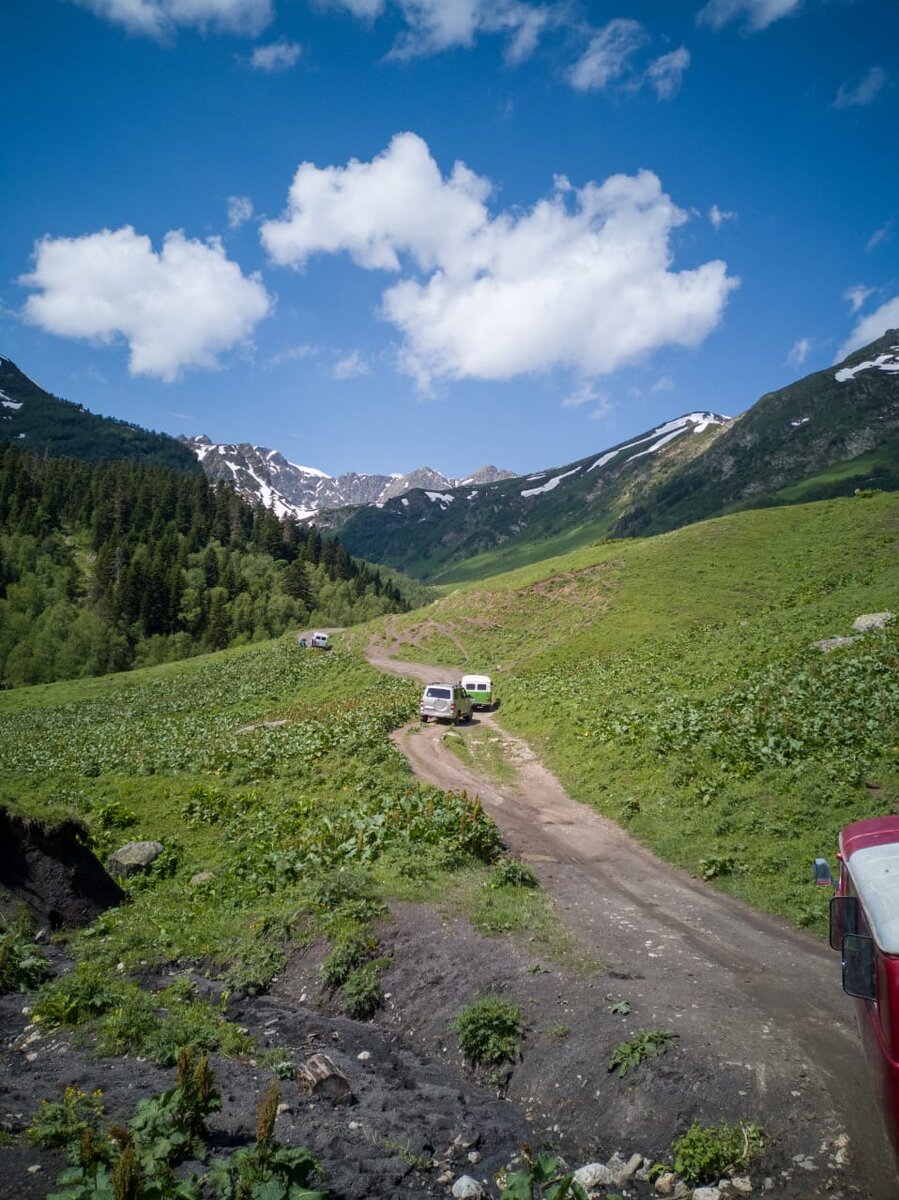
<point>871,327</point>
<point>880,235</point>
<point>759,14</point>
<point>240,210</point>
<point>351,366</point>
<point>584,393</point>
<point>159,18</point>
<point>718,216</point>
<point>666,73</point>
<point>664,384</point>
<point>856,296</point>
<point>435,25</point>
<point>177,308</point>
<point>583,279</point>
<point>293,354</point>
<point>863,93</point>
<point>799,352</point>
<point>608,55</point>
<point>276,56</point>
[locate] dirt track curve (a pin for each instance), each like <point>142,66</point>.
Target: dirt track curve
<point>751,996</point>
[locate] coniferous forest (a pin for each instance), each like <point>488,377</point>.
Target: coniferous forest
<point>107,566</point>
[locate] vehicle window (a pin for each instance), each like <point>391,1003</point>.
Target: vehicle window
<point>438,693</point>
<point>481,687</point>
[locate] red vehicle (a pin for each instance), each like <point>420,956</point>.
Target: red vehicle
<point>864,926</point>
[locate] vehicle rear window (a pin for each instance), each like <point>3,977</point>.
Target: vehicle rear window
<point>438,693</point>
<point>480,687</point>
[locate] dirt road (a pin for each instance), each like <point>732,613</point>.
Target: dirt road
<point>757,1004</point>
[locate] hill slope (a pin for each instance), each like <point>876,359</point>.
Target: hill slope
<point>828,434</point>
<point>675,683</point>
<point>36,421</point>
<point>428,533</point>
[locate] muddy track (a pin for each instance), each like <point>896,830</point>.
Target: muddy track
<point>751,996</point>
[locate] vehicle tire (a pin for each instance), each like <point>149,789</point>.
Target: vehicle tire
<point>424,720</point>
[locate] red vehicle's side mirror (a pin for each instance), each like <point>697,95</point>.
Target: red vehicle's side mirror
<point>858,966</point>
<point>821,873</point>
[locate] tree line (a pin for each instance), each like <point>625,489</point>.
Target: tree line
<point>106,566</point>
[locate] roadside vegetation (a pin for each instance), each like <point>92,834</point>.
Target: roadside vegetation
<point>673,684</point>
<point>285,811</point>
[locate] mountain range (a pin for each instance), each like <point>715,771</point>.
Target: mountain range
<point>832,433</point>
<point>259,473</point>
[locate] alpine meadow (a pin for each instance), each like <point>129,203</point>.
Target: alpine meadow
<point>449,600</point>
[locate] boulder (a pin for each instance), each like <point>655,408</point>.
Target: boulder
<point>133,858</point>
<point>593,1175</point>
<point>466,1188</point>
<point>869,621</point>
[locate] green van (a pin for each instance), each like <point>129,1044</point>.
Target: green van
<point>479,689</point>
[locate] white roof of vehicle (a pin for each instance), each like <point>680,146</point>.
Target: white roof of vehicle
<point>875,870</point>
<point>467,679</point>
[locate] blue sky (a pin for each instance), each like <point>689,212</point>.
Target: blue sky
<point>379,234</point>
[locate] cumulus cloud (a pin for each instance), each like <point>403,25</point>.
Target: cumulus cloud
<point>276,56</point>
<point>240,210</point>
<point>718,216</point>
<point>863,93</point>
<point>856,296</point>
<point>799,352</point>
<point>351,366</point>
<point>873,326</point>
<point>177,308</point>
<point>758,14</point>
<point>160,18</point>
<point>584,279</point>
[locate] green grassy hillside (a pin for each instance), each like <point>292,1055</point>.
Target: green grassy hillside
<point>672,683</point>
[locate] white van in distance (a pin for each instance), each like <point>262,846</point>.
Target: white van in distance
<point>320,641</point>
<point>479,689</point>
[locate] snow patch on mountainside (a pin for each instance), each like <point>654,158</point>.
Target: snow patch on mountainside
<point>695,422</point>
<point>550,483</point>
<point>883,362</point>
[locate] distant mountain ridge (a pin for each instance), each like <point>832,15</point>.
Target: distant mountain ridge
<point>259,473</point>
<point>33,419</point>
<point>830,434</point>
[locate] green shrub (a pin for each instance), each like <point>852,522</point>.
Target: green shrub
<point>645,1044</point>
<point>351,951</point>
<point>544,1178</point>
<point>83,993</point>
<point>705,1153</point>
<point>490,1030</point>
<point>362,995</point>
<point>22,964</point>
<point>512,872</point>
<point>61,1124</point>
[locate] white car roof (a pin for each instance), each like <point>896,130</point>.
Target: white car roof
<point>875,870</point>
<point>466,679</point>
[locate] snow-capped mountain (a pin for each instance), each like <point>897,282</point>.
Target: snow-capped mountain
<point>259,473</point>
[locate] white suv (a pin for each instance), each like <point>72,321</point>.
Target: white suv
<point>445,702</point>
